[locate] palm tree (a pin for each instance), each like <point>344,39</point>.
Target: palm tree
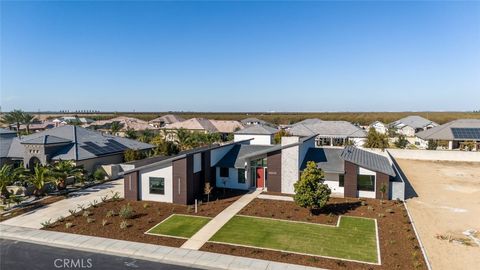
<point>27,120</point>
<point>9,175</point>
<point>183,139</point>
<point>41,176</point>
<point>64,169</point>
<point>115,127</point>
<point>130,133</point>
<point>15,117</point>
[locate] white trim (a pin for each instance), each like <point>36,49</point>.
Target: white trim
<point>308,254</point>
<point>173,236</point>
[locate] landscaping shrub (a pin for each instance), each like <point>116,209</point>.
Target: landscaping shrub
<point>86,213</point>
<point>90,220</point>
<point>146,205</point>
<point>60,219</point>
<point>110,213</point>
<point>124,224</point>
<point>68,225</point>
<point>47,223</point>
<point>99,174</point>
<point>126,212</point>
<point>73,212</point>
<point>104,222</point>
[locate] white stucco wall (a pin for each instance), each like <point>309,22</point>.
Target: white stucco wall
<point>218,153</point>
<point>165,172</point>
<point>367,194</point>
<point>331,179</point>
<point>358,141</point>
<point>407,131</point>
<point>231,180</point>
<point>290,164</point>
<point>257,139</point>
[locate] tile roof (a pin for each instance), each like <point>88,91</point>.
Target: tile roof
<point>413,121</point>
<point>126,122</point>
<point>203,124</point>
<point>168,119</point>
<point>314,126</point>
<point>84,144</point>
<point>258,130</point>
<point>444,132</point>
<point>367,160</point>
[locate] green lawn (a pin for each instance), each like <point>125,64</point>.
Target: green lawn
<point>180,226</point>
<point>354,239</point>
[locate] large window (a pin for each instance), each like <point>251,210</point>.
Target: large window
<point>157,185</point>
<point>223,172</point>
<point>341,180</point>
<point>241,176</point>
<point>366,182</point>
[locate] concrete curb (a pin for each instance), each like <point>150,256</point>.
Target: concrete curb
<point>156,253</point>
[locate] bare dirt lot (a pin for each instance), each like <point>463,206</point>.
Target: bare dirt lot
<point>447,204</point>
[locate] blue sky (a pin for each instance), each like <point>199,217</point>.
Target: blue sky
<point>240,56</point>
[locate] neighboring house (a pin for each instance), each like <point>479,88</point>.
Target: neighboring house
<point>6,138</point>
<point>329,133</point>
<point>452,135</point>
<point>67,120</point>
<point>224,127</point>
<point>125,123</point>
<point>36,127</point>
<point>85,147</point>
<point>410,125</point>
<point>255,121</point>
<point>379,127</point>
<point>350,172</point>
<point>164,120</point>
<point>261,134</point>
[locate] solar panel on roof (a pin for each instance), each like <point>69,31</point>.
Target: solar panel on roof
<point>466,133</point>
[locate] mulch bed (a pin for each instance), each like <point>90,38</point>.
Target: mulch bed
<point>31,207</point>
<point>147,215</point>
<point>398,246</point>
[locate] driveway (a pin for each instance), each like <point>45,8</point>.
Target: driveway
<point>53,211</point>
<point>447,203</point>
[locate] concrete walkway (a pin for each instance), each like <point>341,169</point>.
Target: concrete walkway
<point>53,211</point>
<point>169,255</point>
<point>205,233</point>
<point>275,197</point>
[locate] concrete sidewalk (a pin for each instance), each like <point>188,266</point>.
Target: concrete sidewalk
<point>169,255</point>
<point>53,211</point>
<point>205,233</point>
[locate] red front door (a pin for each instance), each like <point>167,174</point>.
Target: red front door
<point>260,178</point>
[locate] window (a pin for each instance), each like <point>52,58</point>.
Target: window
<point>223,172</point>
<point>241,176</point>
<point>341,180</point>
<point>157,185</point>
<point>366,182</point>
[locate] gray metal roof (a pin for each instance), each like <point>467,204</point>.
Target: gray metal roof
<point>6,138</point>
<point>240,153</point>
<point>444,132</point>
<point>341,129</point>
<point>414,121</point>
<point>367,160</point>
<point>85,143</point>
<point>7,131</point>
<point>258,130</point>
<point>328,159</point>
<point>46,139</point>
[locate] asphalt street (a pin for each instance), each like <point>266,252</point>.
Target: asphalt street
<point>15,255</point>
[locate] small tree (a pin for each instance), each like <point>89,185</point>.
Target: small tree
<point>383,190</point>
<point>432,145</point>
<point>207,190</point>
<point>40,177</point>
<point>278,136</point>
<point>310,191</point>
<point>376,139</point>
<point>401,142</point>
<point>131,155</point>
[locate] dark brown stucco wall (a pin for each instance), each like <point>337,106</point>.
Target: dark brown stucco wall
<point>131,186</point>
<point>382,179</point>
<point>350,184</point>
<point>274,164</point>
<point>179,181</point>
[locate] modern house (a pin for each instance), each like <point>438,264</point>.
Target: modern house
<point>329,133</point>
<point>452,135</point>
<point>379,127</point>
<point>85,147</point>
<point>260,134</point>
<point>6,138</point>
<point>164,120</point>
<point>410,125</point>
<point>350,172</point>
<point>125,123</point>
